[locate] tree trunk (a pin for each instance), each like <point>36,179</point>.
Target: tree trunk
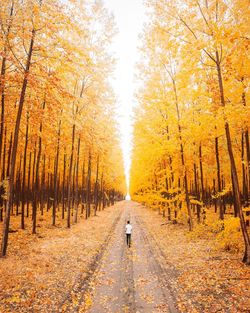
<point>28,187</point>
<point>83,186</point>
<point>15,145</point>
<point>235,181</point>
<point>4,153</point>
<point>55,174</point>
<point>33,180</point>
<point>17,192</point>
<point>101,194</point>
<point>190,220</point>
<point>96,190</point>
<point>244,181</point>
<point>24,172</point>
<point>70,174</point>
<point>77,183</point>
<point>36,187</point>
<point>221,210</point>
<point>202,179</point>
<point>2,79</point>
<point>63,183</point>
<point>43,188</point>
<point>9,156</point>
<point>197,194</point>
<point>248,163</point>
<point>88,191</point>
<point>247,167</point>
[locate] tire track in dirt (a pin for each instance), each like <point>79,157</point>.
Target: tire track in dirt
<point>112,286</point>
<point>127,278</point>
<point>162,273</point>
<point>75,297</point>
<point>131,280</point>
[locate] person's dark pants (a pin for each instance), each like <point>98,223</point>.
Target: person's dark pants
<point>128,239</point>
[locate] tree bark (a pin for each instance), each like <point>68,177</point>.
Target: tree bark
<point>190,219</point>
<point>202,179</point>
<point>70,174</point>
<point>77,182</point>
<point>244,181</point>
<point>88,191</point>
<point>96,191</point>
<point>55,174</point>
<point>15,145</point>
<point>221,210</point>
<point>43,185</point>
<point>24,172</point>
<point>235,182</point>
<point>2,80</point>
<point>36,187</point>
<point>28,186</point>
<point>63,183</point>
<point>4,153</point>
<point>83,186</point>
<point>197,193</point>
<point>248,162</point>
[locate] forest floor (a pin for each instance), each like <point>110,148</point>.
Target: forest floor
<point>89,268</point>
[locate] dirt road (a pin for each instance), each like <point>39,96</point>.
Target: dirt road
<point>131,279</point>
<point>66,270</point>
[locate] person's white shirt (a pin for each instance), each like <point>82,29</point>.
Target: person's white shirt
<point>128,229</point>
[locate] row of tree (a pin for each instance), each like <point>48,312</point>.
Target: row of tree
<point>59,147</point>
<point>191,136</point>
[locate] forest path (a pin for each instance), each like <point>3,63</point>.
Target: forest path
<point>131,279</point>
<point>62,270</point>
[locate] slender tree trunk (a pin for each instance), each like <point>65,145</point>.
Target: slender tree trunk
<point>88,191</point>
<point>168,186</point>
<point>101,193</point>
<point>24,172</point>
<point>83,186</point>
<point>3,201</point>
<point>17,192</point>
<point>215,200</point>
<point>247,167</point>
<point>96,190</point>
<point>248,162</point>
<point>221,210</point>
<point>244,182</point>
<point>33,180</point>
<point>15,145</point>
<point>70,174</point>
<point>77,182</point>
<point>36,187</point>
<point>190,220</point>
<point>2,79</point>
<point>3,170</point>
<point>43,185</point>
<point>235,181</point>
<point>48,186</point>
<point>202,179</point>
<point>9,156</point>
<point>197,193</point>
<point>55,174</point>
<point>63,183</point>
<point>4,153</point>
<point>104,196</point>
<point>73,189</point>
<point>28,187</point>
<point>236,213</point>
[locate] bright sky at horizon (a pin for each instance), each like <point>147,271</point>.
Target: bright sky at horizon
<point>129,18</point>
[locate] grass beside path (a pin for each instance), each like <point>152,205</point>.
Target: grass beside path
<point>206,280</point>
<point>41,273</point>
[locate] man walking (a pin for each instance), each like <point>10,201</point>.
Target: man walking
<point>128,233</point>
